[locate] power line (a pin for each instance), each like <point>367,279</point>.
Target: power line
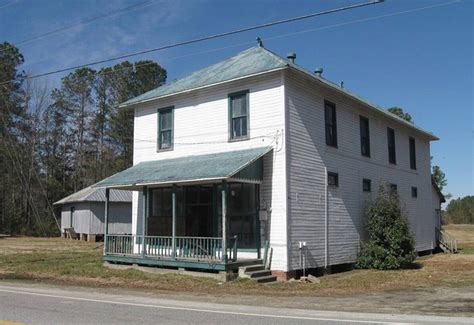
<point>205,38</point>
<point>284,35</point>
<point>83,22</point>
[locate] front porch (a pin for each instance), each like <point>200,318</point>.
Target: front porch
<point>208,224</point>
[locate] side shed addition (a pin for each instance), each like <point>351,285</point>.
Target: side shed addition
<point>84,212</point>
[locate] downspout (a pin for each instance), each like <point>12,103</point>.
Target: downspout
<point>326,232</point>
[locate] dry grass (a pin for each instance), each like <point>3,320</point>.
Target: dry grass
<point>78,263</point>
<point>464,234</point>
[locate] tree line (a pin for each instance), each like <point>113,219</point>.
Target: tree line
<point>54,142</point>
<point>460,210</point>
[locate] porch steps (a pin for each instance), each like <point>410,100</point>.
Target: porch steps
<point>257,273</point>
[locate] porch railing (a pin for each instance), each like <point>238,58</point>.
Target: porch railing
<point>194,248</point>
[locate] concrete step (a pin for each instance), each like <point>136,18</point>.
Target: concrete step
<point>266,279</point>
<point>258,274</point>
<point>256,267</point>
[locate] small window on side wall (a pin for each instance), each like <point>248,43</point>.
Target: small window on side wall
<point>366,185</point>
<point>333,179</point>
<point>330,123</point>
<point>239,116</point>
<point>414,192</point>
<point>393,188</point>
<point>165,128</point>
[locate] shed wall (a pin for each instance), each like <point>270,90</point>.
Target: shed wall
<point>81,218</point>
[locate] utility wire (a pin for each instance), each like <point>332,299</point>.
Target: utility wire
<point>82,22</point>
<point>104,72</point>
<point>205,38</point>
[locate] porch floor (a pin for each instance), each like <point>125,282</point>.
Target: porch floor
<point>203,264</point>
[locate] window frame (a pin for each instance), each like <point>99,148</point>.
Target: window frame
<point>364,138</point>
<point>391,144</point>
<point>230,118</point>
<point>393,188</point>
<point>414,192</point>
<point>336,178</point>
<point>412,151</point>
<point>159,143</point>
<point>332,124</point>
<point>366,181</point>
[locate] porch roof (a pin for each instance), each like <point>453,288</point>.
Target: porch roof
<point>243,165</point>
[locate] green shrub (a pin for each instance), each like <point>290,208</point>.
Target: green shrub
<point>390,244</point>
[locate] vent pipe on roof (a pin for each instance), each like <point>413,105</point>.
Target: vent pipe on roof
<point>291,57</point>
<point>318,72</point>
<point>259,42</point>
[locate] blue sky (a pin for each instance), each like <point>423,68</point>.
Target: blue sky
<point>421,61</point>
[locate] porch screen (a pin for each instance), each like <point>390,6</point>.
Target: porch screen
<point>242,213</point>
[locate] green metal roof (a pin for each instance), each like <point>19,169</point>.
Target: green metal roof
<point>249,62</point>
<point>216,166</point>
<point>253,61</point>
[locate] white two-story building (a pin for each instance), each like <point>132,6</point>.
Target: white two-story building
<point>255,154</point>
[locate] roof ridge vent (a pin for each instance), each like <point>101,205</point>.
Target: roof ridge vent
<point>318,72</point>
<point>291,57</point>
<point>259,42</point>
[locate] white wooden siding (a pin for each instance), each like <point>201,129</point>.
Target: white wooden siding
<point>308,155</point>
<point>201,126</point>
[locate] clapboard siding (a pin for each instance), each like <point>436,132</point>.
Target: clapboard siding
<point>309,155</point>
<point>201,126</point>
<point>89,217</point>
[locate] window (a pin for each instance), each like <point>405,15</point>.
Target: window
<point>333,179</point>
<point>414,192</point>
<point>330,121</point>
<point>239,116</point>
<point>393,188</point>
<point>412,153</point>
<point>165,128</point>
<point>391,146</point>
<point>366,185</point>
<point>364,137</point>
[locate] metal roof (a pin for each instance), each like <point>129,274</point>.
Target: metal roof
<point>91,194</point>
<point>253,61</point>
<point>199,168</point>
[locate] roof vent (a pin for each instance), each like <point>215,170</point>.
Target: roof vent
<point>259,42</point>
<point>291,57</point>
<point>318,72</point>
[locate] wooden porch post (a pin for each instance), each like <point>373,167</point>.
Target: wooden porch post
<point>173,215</point>
<point>144,219</point>
<point>224,221</point>
<point>106,219</point>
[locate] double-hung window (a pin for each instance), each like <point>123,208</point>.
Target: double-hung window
<point>165,128</point>
<point>330,121</point>
<point>239,116</point>
<point>364,136</point>
<point>391,146</point>
<point>412,153</point>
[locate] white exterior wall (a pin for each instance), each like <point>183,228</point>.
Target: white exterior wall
<point>201,126</point>
<point>309,154</point>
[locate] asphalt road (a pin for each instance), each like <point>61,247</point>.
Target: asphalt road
<point>43,304</point>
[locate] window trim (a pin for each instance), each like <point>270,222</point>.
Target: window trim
<point>158,142</point>
<point>361,120</point>
<point>336,178</point>
<point>332,105</point>
<point>390,132</point>
<point>414,192</point>
<point>229,108</point>
<point>366,181</point>
<point>412,151</point>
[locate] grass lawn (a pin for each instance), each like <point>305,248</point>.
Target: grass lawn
<point>464,234</point>
<point>62,261</point>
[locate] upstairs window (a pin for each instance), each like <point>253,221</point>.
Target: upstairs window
<point>412,153</point>
<point>330,121</point>
<point>393,188</point>
<point>391,146</point>
<point>239,116</point>
<point>364,137</point>
<point>366,185</point>
<point>414,192</point>
<point>333,179</point>
<point>165,128</point>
